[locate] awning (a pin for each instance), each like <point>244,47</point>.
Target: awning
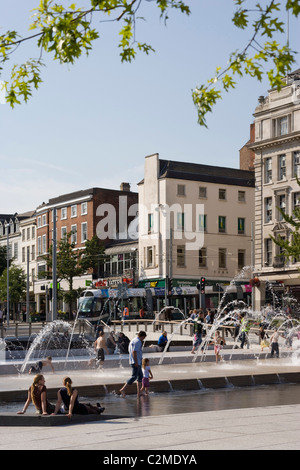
<point>126,248</point>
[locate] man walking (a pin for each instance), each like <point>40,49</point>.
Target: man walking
<point>135,360</point>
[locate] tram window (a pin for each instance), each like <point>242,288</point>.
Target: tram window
<point>86,305</point>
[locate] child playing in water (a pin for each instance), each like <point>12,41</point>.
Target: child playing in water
<point>218,346</point>
<point>147,375</point>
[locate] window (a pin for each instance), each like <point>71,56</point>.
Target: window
<point>39,223</point>
<point>74,234</point>
<point>16,251</point>
<point>150,256</point>
<point>150,223</point>
<point>63,232</point>
<point>222,258</point>
<point>281,167</point>
<point>241,225</point>
<point>33,252</point>
<point>268,210</point>
<point>74,211</point>
<point>268,254</point>
<point>222,224</point>
<point>202,222</point>
<point>41,269</point>
<point>241,259</point>
<point>181,256</point>
<point>283,125</point>
<point>23,254</point>
<point>84,208</point>
<point>180,221</point>
<point>268,170</point>
<point>222,194</point>
<point>44,219</point>
<point>33,232</point>
<point>1,229</point>
<point>281,206</point>
<point>180,190</point>
<point>202,257</point>
<point>296,164</point>
<point>202,191</point>
<point>39,245</point>
<point>63,213</point>
<point>296,201</point>
<point>44,248</point>
<point>23,235</point>
<point>242,196</point>
<point>84,232</point>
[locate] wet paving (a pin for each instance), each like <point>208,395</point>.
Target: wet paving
<point>156,404</point>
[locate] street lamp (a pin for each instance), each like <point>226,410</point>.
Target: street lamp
<point>7,273</point>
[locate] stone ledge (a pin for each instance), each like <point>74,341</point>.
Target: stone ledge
<point>11,419</point>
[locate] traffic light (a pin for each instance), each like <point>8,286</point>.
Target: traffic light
<point>169,285</point>
<point>202,284</point>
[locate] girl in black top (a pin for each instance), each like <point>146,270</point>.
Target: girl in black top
<point>37,394</point>
<point>69,397</point>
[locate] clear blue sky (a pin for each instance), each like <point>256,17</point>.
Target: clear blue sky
<point>92,124</point>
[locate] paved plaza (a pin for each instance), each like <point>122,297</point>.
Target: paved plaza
<point>256,427</point>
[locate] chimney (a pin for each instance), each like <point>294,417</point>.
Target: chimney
<point>124,187</point>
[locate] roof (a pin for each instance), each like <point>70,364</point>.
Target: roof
<point>205,173</point>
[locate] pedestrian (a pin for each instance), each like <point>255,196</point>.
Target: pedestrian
<point>123,343</point>
<point>69,397</point>
<point>147,376</point>
<point>135,360</point>
<point>208,317</point>
<point>37,394</point>
<point>162,341</point>
<point>111,343</point>
<point>37,368</point>
<point>198,328</point>
<point>142,312</point>
<point>264,343</point>
<point>245,328</point>
<point>100,347</point>
<point>217,345</point>
<point>274,343</point>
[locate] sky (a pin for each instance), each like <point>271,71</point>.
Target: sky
<point>92,124</point>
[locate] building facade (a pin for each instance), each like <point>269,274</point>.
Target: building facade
<point>277,164</point>
<point>194,220</point>
<point>82,214</point>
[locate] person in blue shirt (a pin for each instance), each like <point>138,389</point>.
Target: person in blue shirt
<point>162,341</point>
<point>135,360</point>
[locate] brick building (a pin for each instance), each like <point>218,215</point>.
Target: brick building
<point>85,213</point>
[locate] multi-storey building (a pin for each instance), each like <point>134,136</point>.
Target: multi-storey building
<point>194,220</point>
<point>83,214</point>
<point>277,164</point>
<point>18,232</point>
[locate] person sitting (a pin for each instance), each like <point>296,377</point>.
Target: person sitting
<point>123,343</point>
<point>69,397</point>
<point>37,394</point>
<point>111,343</point>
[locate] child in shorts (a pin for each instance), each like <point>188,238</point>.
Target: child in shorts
<point>147,375</point>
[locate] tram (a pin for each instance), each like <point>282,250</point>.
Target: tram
<point>95,305</point>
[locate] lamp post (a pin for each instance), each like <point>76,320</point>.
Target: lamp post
<point>7,273</point>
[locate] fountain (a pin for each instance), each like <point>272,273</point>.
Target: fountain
<point>55,338</point>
